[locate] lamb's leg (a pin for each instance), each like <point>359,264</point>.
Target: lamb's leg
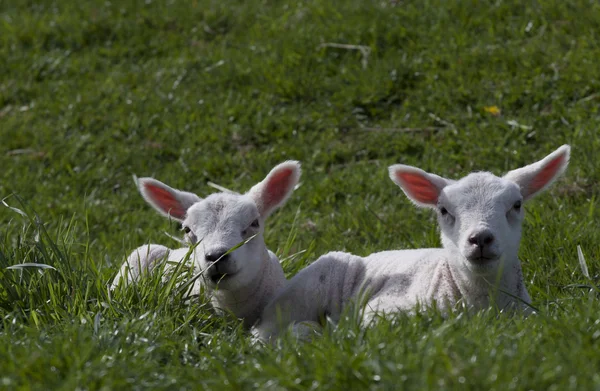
<point>523,301</point>
<point>319,290</point>
<point>142,260</point>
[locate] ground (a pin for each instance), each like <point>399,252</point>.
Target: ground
<point>94,92</point>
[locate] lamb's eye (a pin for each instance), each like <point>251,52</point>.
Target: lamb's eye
<point>187,230</point>
<point>517,205</point>
<point>253,225</point>
<point>443,211</point>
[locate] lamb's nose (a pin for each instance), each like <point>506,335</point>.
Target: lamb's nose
<point>216,255</point>
<point>481,238</point>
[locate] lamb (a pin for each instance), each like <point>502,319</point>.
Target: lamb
<point>241,281</point>
<point>480,218</point>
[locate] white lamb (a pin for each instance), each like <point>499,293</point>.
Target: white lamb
<point>242,281</point>
<point>480,217</point>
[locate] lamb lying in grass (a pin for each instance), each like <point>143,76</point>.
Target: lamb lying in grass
<point>480,218</point>
<point>242,281</point>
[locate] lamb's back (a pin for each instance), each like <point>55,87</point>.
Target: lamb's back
<point>406,278</point>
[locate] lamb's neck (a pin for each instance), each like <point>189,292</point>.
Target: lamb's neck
<point>479,290</point>
<point>247,302</point>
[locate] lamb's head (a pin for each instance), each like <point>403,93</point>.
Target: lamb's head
<point>221,221</point>
<point>480,215</point>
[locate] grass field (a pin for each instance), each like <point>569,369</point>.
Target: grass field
<point>93,92</point>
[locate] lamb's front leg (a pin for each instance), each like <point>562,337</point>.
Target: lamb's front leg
<point>523,303</point>
<point>319,290</point>
<point>142,260</point>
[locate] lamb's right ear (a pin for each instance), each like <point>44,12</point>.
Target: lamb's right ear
<point>168,201</point>
<point>419,186</point>
<point>275,189</point>
<point>536,177</point>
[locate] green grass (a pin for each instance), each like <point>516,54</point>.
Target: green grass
<point>92,92</point>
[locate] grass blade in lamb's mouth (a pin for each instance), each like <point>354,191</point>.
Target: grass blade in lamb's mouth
<point>218,277</point>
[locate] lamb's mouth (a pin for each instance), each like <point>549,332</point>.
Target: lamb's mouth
<point>218,277</point>
<point>482,260</point>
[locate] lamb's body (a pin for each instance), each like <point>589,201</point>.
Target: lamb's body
<point>245,302</point>
<point>480,218</point>
<point>388,282</point>
<point>428,276</point>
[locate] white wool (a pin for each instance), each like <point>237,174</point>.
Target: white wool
<point>480,219</point>
<point>242,281</point>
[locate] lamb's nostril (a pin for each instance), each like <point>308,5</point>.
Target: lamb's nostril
<point>481,239</point>
<point>214,256</point>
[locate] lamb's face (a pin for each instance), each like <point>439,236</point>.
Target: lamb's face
<point>480,217</point>
<point>222,221</point>
<point>218,223</point>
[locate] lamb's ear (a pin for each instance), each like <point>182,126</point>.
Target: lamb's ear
<point>419,186</point>
<point>536,177</point>
<point>168,201</point>
<point>275,189</point>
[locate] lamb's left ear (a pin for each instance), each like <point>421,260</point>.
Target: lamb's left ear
<point>420,187</point>
<point>167,201</point>
<point>536,177</point>
<point>276,188</point>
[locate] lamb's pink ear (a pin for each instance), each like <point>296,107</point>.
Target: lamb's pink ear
<point>276,188</point>
<point>169,202</point>
<point>419,186</point>
<point>536,177</point>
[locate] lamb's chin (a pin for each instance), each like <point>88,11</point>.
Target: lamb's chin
<point>481,266</point>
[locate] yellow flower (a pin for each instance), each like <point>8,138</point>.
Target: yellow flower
<point>493,110</point>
